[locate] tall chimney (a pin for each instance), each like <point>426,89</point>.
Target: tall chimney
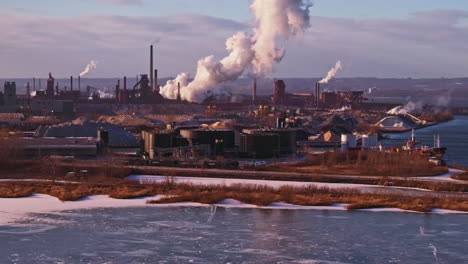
<point>125,82</point>
<point>179,98</point>
<point>34,84</point>
<point>254,91</point>
<point>39,84</point>
<point>71,83</point>
<point>117,91</point>
<point>317,94</point>
<point>79,83</point>
<point>151,68</point>
<point>28,90</point>
<point>156,84</point>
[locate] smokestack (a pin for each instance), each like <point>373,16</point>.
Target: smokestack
<point>79,83</point>
<point>178,92</point>
<point>117,88</point>
<point>34,84</point>
<point>125,82</point>
<point>28,90</point>
<point>156,85</point>
<point>71,83</point>
<point>151,68</point>
<point>40,84</point>
<point>254,91</point>
<point>317,94</point>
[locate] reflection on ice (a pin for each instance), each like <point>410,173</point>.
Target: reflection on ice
<point>185,235</point>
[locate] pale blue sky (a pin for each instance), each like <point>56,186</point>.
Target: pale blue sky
<point>234,9</point>
<point>381,38</point>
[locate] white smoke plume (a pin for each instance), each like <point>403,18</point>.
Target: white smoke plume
<point>332,73</point>
<point>409,108</point>
<point>274,20</point>
<point>92,65</point>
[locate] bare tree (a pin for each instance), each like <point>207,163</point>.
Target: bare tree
<point>49,166</point>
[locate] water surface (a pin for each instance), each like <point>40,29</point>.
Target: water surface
<point>227,235</point>
<point>453,135</point>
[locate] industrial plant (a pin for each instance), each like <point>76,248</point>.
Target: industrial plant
<point>137,124</point>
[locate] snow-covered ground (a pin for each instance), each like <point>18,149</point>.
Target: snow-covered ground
<point>13,209</point>
<point>151,179</point>
<point>445,177</point>
<point>17,209</point>
<point>366,188</point>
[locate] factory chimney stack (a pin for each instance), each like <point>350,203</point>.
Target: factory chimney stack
<point>317,94</point>
<point>71,83</point>
<point>28,91</point>
<point>179,98</point>
<point>156,84</point>
<point>151,68</point>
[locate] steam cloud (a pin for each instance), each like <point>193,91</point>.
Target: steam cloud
<point>410,107</point>
<point>274,19</point>
<point>92,65</point>
<point>332,73</point>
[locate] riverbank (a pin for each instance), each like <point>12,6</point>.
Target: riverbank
<point>22,198</point>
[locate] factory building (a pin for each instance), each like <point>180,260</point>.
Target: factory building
<point>287,138</point>
<point>219,140</point>
<point>341,99</point>
<point>163,144</point>
<point>259,145</point>
<point>52,107</point>
<point>279,96</point>
<point>64,147</point>
<point>118,138</point>
<point>9,96</point>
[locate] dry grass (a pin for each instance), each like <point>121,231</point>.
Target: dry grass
<point>373,163</point>
<point>251,194</point>
<point>462,176</point>
<point>311,196</point>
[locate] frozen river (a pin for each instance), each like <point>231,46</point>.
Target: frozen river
<point>228,235</point>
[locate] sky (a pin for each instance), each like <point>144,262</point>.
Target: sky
<point>372,38</point>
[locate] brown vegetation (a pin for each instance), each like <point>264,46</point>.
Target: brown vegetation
<point>462,176</point>
<point>372,163</point>
<point>311,196</point>
<point>252,194</point>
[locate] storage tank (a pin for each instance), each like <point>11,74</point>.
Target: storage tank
<point>373,140</point>
<point>348,141</point>
<point>370,141</point>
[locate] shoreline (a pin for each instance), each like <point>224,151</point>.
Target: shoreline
<point>46,204</point>
<point>157,191</point>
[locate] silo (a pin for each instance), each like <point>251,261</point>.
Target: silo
<point>352,141</point>
<point>348,141</point>
<point>365,142</point>
<point>373,141</point>
<point>344,142</point>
